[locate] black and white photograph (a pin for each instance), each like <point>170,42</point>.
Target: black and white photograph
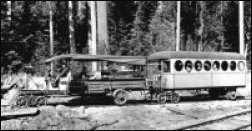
<point>125,65</point>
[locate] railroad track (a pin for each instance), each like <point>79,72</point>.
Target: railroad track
<point>233,121</point>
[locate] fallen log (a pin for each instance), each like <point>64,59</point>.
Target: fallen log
<point>20,112</point>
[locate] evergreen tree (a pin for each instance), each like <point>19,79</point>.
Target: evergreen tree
<point>247,21</point>
<point>138,43</point>
<point>162,27</point>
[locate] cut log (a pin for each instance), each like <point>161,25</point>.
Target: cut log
<point>20,112</point>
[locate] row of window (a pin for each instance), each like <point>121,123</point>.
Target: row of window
<point>207,65</point>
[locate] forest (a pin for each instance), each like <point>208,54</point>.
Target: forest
<point>134,28</point>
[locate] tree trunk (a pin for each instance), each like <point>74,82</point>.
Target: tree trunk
<point>201,29</point>
<point>88,20</point>
<point>222,31</point>
<point>102,28</point>
<point>80,9</point>
<point>9,11</point>
<point>92,47</point>
<point>51,33</point>
<point>71,28</point>
<point>178,26</point>
<point>174,39</point>
<point>160,6</point>
<point>241,26</point>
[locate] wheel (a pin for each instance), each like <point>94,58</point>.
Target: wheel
<point>161,97</point>
<point>175,98</point>
<point>149,96</point>
<point>21,102</point>
<point>41,100</point>
<point>231,95</point>
<point>120,97</point>
<point>31,100</point>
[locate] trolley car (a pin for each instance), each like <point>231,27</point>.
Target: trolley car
<point>219,73</point>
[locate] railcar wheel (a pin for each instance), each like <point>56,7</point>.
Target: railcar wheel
<point>149,96</point>
<point>231,95</point>
<point>120,97</point>
<point>21,102</point>
<point>31,100</point>
<point>161,97</point>
<point>175,98</point>
<point>41,100</point>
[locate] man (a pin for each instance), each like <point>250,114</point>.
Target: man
<point>84,72</point>
<point>63,71</point>
<point>48,75</point>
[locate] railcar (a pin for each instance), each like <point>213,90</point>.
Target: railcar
<point>219,73</point>
<point>104,81</point>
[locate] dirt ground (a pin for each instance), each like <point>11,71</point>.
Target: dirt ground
<point>150,117</point>
<point>101,114</point>
<point>135,115</point>
<point>52,118</point>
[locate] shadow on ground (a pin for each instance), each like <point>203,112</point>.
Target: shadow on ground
<point>108,101</point>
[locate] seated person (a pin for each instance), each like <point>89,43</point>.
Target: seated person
<point>83,73</point>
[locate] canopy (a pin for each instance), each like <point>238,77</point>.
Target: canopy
<point>133,60</point>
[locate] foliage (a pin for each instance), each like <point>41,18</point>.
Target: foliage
<point>162,27</point>
<point>135,28</point>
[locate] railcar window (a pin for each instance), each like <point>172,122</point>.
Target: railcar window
<point>198,65</point>
<point>178,65</point>
<point>224,65</point>
<point>216,65</point>
<point>233,65</point>
<point>207,65</point>
<point>166,66</point>
<point>188,66</point>
<point>241,65</point>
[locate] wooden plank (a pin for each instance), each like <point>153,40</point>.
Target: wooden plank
<point>20,112</point>
<point>193,123</point>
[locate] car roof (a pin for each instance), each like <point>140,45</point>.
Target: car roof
<point>167,55</point>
